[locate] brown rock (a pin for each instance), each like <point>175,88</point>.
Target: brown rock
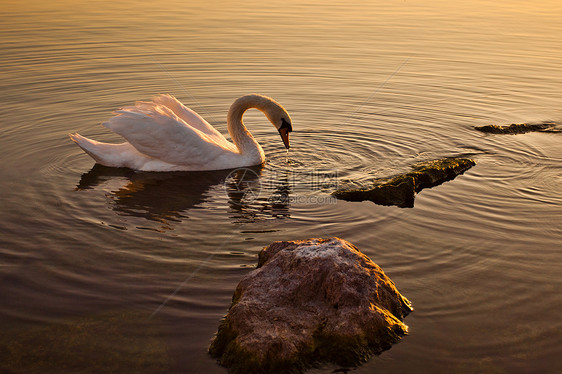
<point>308,301</point>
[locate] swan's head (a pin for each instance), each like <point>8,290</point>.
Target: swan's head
<point>279,117</point>
<point>284,130</point>
<point>276,114</point>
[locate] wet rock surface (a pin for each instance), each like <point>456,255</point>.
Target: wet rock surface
<point>315,300</point>
<point>519,128</point>
<point>401,190</point>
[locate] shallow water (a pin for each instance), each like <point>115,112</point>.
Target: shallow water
<point>371,89</point>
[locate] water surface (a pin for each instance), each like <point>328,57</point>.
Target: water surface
<point>88,254</point>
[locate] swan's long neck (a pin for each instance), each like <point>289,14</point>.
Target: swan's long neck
<point>240,135</point>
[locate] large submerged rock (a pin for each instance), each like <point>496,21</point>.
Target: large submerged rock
<point>316,300</point>
<point>401,190</point>
<point>519,128</point>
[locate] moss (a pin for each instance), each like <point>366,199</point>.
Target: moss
<point>343,350</point>
<point>517,128</point>
<point>397,191</point>
<point>348,350</point>
<point>237,359</point>
<point>401,190</point>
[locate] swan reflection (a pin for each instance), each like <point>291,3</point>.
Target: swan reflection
<point>167,197</point>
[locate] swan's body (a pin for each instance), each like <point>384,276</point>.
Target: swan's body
<point>164,135</point>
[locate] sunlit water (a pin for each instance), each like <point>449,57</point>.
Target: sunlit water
<point>371,89</point>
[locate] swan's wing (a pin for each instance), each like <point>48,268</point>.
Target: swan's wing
<point>156,131</point>
<point>189,116</point>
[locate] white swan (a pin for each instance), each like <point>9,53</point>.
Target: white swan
<point>164,135</point>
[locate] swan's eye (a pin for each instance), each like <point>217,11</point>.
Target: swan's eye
<point>286,125</point>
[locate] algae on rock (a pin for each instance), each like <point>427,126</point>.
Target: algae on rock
<point>518,128</point>
<point>401,190</point>
<point>315,300</point>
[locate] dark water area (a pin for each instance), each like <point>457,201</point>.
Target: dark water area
<point>111,268</point>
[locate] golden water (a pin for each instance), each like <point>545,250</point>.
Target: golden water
<point>371,87</point>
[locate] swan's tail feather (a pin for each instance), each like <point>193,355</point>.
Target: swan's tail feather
<point>89,146</point>
<point>103,153</point>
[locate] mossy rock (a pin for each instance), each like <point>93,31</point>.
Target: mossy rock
<point>309,301</point>
<point>518,128</point>
<point>401,189</point>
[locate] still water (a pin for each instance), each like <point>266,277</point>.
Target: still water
<point>112,270</point>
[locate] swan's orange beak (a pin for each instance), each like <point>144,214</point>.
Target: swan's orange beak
<point>284,132</point>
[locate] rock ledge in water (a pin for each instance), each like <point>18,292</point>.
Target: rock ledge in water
<point>309,301</point>
<point>401,190</point>
<point>518,128</point>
